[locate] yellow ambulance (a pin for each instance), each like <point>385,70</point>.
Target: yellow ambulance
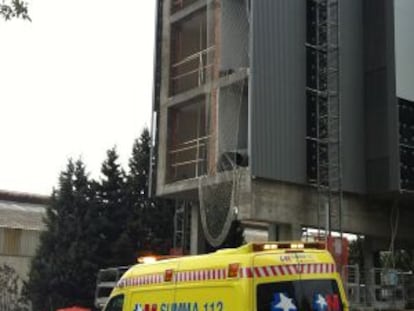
<point>271,276</point>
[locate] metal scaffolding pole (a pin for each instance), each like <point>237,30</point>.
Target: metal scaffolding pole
<point>324,89</point>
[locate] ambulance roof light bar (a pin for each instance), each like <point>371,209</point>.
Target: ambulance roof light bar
<point>154,258</point>
<point>267,246</point>
<point>147,259</point>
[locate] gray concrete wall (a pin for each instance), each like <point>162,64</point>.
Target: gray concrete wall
<point>162,126</point>
<point>352,96</point>
<point>381,115</point>
<point>294,205</point>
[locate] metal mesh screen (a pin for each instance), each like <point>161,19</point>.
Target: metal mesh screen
<point>227,31</point>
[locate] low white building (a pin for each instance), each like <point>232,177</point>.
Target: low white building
<point>21,223</point>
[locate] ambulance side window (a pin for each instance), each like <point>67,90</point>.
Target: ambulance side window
<point>115,304</point>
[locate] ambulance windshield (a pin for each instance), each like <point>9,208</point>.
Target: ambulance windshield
<point>300,295</point>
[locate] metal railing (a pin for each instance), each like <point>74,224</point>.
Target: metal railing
<point>188,159</point>
<point>408,281</point>
<point>192,71</point>
<point>383,289</point>
<point>387,289</point>
<point>177,5</point>
<point>352,283</point>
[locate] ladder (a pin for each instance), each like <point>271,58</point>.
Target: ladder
<point>181,227</point>
<point>323,104</point>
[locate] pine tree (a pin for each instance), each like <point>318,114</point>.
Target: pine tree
<point>64,268</point>
<point>115,245</point>
<point>84,248</point>
<point>46,274</point>
<point>151,226</point>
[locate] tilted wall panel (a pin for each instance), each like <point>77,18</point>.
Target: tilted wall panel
<point>352,96</point>
<point>277,103</point>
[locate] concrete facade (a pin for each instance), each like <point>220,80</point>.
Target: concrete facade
<point>273,190</point>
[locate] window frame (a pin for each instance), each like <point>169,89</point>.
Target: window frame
<point>112,299</point>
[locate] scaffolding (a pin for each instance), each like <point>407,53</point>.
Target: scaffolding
<point>323,104</point>
<point>181,239</point>
<point>406,142</point>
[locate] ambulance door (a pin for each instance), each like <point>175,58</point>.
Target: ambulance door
<point>154,291</point>
<point>273,277</point>
<point>284,282</point>
<point>208,290</point>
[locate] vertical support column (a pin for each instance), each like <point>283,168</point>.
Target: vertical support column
<point>164,89</point>
<point>369,256</point>
<point>214,95</point>
<point>289,232</point>
<point>195,229</point>
<point>272,232</point>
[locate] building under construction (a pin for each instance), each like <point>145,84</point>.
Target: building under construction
<point>287,114</point>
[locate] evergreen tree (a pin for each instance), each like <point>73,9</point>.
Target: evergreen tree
<point>64,268</point>
<point>83,252</point>
<point>151,226</point>
<point>92,225</point>
<point>46,273</point>
<point>115,246</point>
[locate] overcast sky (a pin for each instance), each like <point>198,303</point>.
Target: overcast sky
<point>73,82</point>
<point>404,48</point>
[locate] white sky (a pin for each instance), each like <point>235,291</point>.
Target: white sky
<point>73,82</point>
<point>404,48</point>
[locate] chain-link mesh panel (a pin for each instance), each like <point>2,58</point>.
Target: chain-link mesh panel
<point>227,28</point>
<point>218,203</point>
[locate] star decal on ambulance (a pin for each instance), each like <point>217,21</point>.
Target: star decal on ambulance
<point>282,302</point>
<point>137,307</point>
<point>319,303</point>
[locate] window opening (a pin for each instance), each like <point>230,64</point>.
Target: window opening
<point>188,139</point>
<point>192,53</point>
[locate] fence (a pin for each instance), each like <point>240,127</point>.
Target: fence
<point>380,289</point>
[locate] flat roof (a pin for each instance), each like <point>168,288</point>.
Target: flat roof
<point>22,211</point>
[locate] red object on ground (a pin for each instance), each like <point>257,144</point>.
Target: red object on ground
<point>74,308</point>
